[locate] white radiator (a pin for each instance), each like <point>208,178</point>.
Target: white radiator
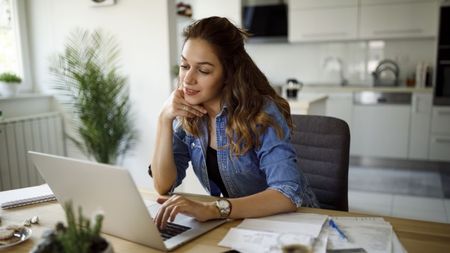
<point>42,133</point>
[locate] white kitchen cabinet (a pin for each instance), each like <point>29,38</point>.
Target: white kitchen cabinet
<point>230,9</point>
<point>441,120</point>
<point>440,134</point>
<point>368,2</point>
<point>420,126</point>
<point>380,131</point>
<point>322,20</point>
<point>305,4</point>
<point>398,19</point>
<point>440,147</point>
<point>323,24</point>
<point>340,105</point>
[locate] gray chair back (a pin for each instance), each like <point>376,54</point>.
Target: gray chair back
<point>322,144</point>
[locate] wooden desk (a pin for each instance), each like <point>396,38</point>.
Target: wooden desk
<point>416,236</point>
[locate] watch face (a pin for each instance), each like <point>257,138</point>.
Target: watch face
<point>223,203</point>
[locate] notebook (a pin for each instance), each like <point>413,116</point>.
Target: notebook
<point>111,191</point>
<point>26,196</point>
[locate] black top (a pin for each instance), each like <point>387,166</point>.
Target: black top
<point>213,170</point>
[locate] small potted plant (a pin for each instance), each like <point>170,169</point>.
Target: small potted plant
<point>11,83</point>
<point>78,236</point>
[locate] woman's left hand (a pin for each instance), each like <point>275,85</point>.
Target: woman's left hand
<point>171,206</point>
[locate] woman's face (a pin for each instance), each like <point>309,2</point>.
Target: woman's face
<point>201,73</point>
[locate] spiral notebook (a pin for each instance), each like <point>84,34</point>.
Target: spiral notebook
<point>26,196</point>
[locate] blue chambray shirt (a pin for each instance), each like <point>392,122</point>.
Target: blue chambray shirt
<point>271,166</point>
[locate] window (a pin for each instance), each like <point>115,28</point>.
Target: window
<point>9,55</point>
<point>14,55</point>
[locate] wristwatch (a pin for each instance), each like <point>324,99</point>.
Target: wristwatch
<point>224,207</point>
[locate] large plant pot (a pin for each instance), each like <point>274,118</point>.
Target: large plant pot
<point>9,89</point>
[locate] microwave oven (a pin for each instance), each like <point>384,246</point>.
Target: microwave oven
<point>266,23</point>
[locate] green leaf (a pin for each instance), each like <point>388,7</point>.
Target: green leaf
<point>86,76</point>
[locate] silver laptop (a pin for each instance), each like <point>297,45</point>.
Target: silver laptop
<point>111,191</point>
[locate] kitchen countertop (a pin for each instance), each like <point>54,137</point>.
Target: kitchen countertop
<point>308,103</point>
<point>305,100</point>
<point>359,88</point>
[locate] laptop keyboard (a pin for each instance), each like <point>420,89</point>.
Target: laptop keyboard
<point>172,230</point>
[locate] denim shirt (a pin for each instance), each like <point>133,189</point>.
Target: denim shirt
<point>273,165</point>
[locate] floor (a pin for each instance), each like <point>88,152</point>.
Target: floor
<point>416,191</point>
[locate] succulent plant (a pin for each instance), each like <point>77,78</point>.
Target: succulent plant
<point>78,236</point>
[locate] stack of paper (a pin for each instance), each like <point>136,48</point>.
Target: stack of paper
<point>265,234</point>
<point>372,234</point>
<point>368,234</point>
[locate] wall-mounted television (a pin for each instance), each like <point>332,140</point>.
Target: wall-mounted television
<point>266,23</point>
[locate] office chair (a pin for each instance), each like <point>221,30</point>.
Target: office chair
<point>322,144</point>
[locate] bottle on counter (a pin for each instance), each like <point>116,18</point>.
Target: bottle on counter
<point>411,80</point>
<point>421,74</point>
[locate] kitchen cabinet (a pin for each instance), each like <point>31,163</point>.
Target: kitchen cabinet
<point>421,110</point>
<point>380,131</point>
<point>340,106</point>
<point>398,19</point>
<point>230,9</point>
<point>305,4</point>
<point>440,134</point>
<point>332,21</point>
<point>401,124</point>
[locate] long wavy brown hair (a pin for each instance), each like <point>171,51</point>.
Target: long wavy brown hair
<point>246,88</point>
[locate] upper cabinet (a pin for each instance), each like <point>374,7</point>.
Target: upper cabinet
<point>230,9</point>
<point>330,20</point>
<point>397,19</point>
<point>304,4</point>
<point>322,20</point>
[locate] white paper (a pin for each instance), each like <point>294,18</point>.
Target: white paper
<point>267,234</point>
<point>298,223</point>
<point>250,241</point>
<point>246,240</point>
<point>25,193</point>
<point>397,247</point>
<point>320,245</point>
<point>372,234</point>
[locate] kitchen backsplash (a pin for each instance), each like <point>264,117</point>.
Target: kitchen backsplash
<point>320,63</point>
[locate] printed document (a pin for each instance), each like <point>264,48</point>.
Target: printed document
<point>373,234</point>
<point>266,234</point>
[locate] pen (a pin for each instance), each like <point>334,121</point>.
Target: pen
<point>335,226</point>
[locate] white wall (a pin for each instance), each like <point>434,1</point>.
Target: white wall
<point>142,30</point>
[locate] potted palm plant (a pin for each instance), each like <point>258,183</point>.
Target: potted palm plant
<point>88,78</point>
<point>10,82</point>
<point>78,236</point>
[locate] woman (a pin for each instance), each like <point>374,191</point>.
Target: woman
<point>228,121</point>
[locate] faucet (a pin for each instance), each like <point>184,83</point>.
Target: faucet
<point>338,61</point>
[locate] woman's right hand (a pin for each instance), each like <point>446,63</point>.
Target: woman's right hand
<point>176,106</point>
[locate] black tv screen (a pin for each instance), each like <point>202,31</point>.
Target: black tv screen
<point>266,20</point>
